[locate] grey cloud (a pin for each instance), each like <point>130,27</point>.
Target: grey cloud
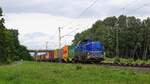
<point>54,7</point>
<point>37,40</point>
<point>32,36</point>
<point>72,8</point>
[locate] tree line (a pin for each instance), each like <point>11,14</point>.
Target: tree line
<point>123,36</point>
<point>10,48</point>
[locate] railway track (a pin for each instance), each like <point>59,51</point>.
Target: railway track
<point>127,65</point>
<point>122,65</point>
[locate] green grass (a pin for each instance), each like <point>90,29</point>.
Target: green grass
<point>51,73</point>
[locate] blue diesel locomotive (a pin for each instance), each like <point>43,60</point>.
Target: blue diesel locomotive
<point>89,51</point>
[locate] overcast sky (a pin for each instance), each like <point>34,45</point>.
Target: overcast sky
<point>38,20</point>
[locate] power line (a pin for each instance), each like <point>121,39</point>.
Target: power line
<point>129,4</point>
<point>138,8</point>
<point>55,34</point>
<point>69,33</point>
<point>78,17</point>
<point>91,1</point>
<point>81,13</point>
<point>59,29</point>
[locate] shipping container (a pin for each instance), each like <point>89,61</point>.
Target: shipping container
<point>38,58</point>
<point>43,57</point>
<point>71,51</point>
<point>65,53</point>
<point>47,56</point>
<point>51,55</point>
<point>55,54</point>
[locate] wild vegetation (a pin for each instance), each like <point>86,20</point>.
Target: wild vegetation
<point>10,48</point>
<point>118,60</point>
<point>51,73</point>
<point>123,37</point>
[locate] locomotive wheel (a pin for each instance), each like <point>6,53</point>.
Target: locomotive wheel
<point>74,61</point>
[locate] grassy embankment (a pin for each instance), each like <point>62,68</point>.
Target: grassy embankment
<point>51,73</point>
<point>125,61</point>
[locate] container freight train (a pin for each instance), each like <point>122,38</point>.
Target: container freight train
<point>83,52</point>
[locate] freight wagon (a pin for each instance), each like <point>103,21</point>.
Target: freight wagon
<point>51,56</point>
<point>65,53</point>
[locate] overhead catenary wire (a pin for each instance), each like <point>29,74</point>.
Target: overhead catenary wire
<point>69,33</point>
<point>53,35</point>
<point>138,8</point>
<point>92,4</point>
<point>134,10</point>
<point>127,5</point>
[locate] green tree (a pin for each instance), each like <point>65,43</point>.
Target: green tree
<point>10,48</point>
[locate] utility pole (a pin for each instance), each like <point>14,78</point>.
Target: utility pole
<point>117,40</point>
<point>59,44</point>
<point>46,47</point>
<point>35,55</point>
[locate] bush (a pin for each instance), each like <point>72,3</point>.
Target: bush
<point>139,62</point>
<point>130,61</point>
<point>148,62</point>
<point>117,60</point>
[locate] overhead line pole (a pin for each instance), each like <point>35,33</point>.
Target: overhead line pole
<point>117,40</point>
<point>59,29</point>
<point>46,47</point>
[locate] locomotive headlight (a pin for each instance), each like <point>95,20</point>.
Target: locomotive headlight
<point>88,57</point>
